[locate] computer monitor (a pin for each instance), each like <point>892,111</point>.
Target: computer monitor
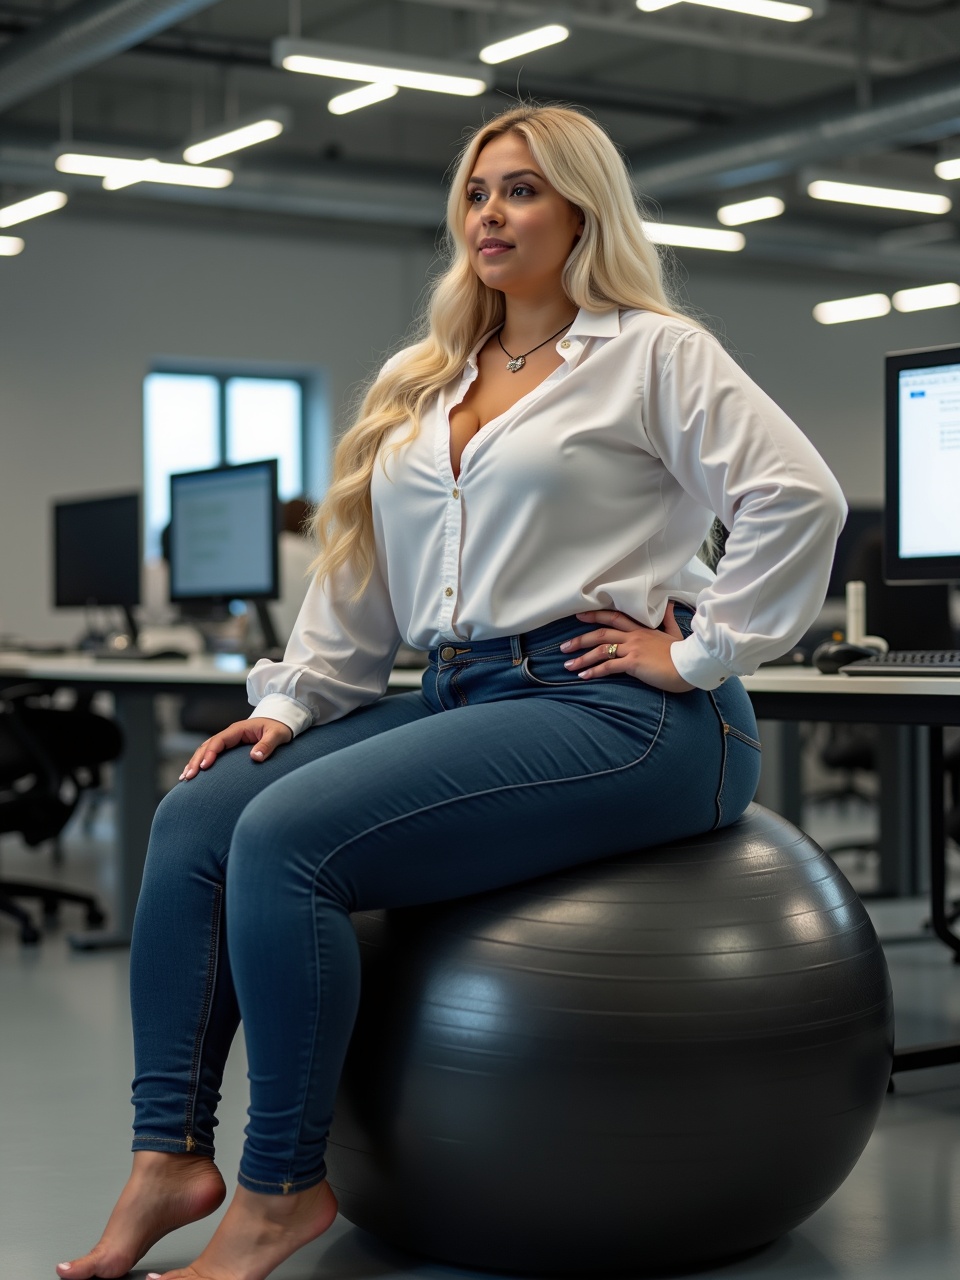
<point>96,554</point>
<point>922,484</point>
<point>224,528</point>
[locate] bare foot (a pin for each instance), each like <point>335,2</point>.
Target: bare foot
<point>165,1191</point>
<point>258,1233</point>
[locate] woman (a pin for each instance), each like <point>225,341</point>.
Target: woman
<point>523,495</point>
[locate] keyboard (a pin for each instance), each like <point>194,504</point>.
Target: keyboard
<point>907,662</point>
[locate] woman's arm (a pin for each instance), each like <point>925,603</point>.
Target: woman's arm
<point>738,454</point>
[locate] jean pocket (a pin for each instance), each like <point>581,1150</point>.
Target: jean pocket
<point>739,773</point>
<point>546,668</point>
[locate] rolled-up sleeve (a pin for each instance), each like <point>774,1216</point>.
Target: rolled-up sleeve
<point>738,454</point>
<point>339,656</point>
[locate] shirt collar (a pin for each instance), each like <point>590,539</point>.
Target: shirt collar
<point>588,324</point>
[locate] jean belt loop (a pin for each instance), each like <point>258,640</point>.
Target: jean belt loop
<point>516,650</point>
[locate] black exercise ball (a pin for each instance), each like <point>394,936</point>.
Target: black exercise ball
<point>659,1060</point>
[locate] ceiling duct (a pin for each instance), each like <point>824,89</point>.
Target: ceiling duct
<point>737,155</point>
<point>82,36</point>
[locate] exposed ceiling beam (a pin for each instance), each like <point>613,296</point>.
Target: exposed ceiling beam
<point>736,155</point>
<point>653,27</point>
<point>82,36</point>
<point>373,200</point>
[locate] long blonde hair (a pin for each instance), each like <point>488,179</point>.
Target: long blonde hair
<point>612,264</point>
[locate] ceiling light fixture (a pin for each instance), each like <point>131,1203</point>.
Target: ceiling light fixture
<point>122,171</point>
<point>366,96</point>
<point>777,10</point>
<point>877,197</point>
<point>242,133</point>
<point>694,237</point>
<point>735,215</point>
<point>927,296</point>
<point>342,62</point>
<point>10,246</point>
<point>948,169</point>
<point>526,42</point>
<point>32,207</point>
<point>840,310</point>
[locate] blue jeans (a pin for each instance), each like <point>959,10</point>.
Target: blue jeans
<point>503,767</point>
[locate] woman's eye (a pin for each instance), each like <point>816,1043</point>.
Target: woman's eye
<point>522,189</point>
<point>473,196</point>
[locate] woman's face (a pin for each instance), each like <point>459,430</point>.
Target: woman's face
<point>519,229</point>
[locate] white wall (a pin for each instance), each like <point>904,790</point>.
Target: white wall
<point>87,307</point>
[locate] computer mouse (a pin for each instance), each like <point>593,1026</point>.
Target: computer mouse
<point>830,656</point>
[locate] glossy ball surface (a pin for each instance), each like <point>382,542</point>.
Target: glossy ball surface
<point>660,1060</point>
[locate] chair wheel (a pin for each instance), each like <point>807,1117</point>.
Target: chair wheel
<point>95,917</point>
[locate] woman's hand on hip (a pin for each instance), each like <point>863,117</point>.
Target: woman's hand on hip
<point>641,651</point>
<point>264,734</point>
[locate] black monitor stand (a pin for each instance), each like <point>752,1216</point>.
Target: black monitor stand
<point>271,646</point>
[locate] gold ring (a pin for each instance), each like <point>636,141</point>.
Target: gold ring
<point>611,650</point>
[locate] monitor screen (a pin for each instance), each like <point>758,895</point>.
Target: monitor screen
<point>922,508</point>
<point>96,551</point>
<point>223,533</point>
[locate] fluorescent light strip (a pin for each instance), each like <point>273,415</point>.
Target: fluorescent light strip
<point>879,197</point>
<point>373,74</point>
<point>948,169</point>
<point>10,246</point>
<point>694,237</point>
<point>233,140</point>
<point>365,96</point>
<point>773,9</point>
<point>926,297</point>
<point>840,310</point>
<point>526,42</point>
<point>121,171</point>
<point>32,207</point>
<point>735,215</point>
<point>380,66</point>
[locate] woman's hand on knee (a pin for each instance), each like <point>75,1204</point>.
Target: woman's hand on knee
<point>265,736</point>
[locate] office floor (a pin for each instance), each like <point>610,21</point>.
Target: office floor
<point>65,1069</point>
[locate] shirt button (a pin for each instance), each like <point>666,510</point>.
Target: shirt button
<point>448,591</point>
<point>455,492</point>
<point>565,343</point>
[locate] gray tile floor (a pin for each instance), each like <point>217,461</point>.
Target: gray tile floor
<point>65,1067</point>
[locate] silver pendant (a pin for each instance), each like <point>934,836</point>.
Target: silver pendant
<point>516,365</point>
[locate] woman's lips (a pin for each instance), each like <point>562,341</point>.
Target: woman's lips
<point>494,249</point>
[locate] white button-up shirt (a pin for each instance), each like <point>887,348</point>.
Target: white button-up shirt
<point>594,491</point>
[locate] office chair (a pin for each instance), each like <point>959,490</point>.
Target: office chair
<point>48,758</point>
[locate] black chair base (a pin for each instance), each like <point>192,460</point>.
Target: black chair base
<point>50,898</point>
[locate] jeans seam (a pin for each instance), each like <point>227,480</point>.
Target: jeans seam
<point>723,759</point>
<point>204,1021</point>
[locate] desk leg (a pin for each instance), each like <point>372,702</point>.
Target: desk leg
<point>903,765</point>
<point>135,798</point>
<point>781,787</point>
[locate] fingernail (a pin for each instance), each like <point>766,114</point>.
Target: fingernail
<point>565,646</point>
<point>63,1266</point>
<point>203,764</point>
<point>153,1275</point>
<point>569,664</point>
<point>257,755</point>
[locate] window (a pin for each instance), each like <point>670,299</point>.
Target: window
<point>192,421</point>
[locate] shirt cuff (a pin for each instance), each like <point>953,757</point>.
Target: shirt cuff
<point>696,666</point>
<point>277,706</point>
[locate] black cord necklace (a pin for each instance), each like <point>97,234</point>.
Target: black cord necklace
<point>516,363</point>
